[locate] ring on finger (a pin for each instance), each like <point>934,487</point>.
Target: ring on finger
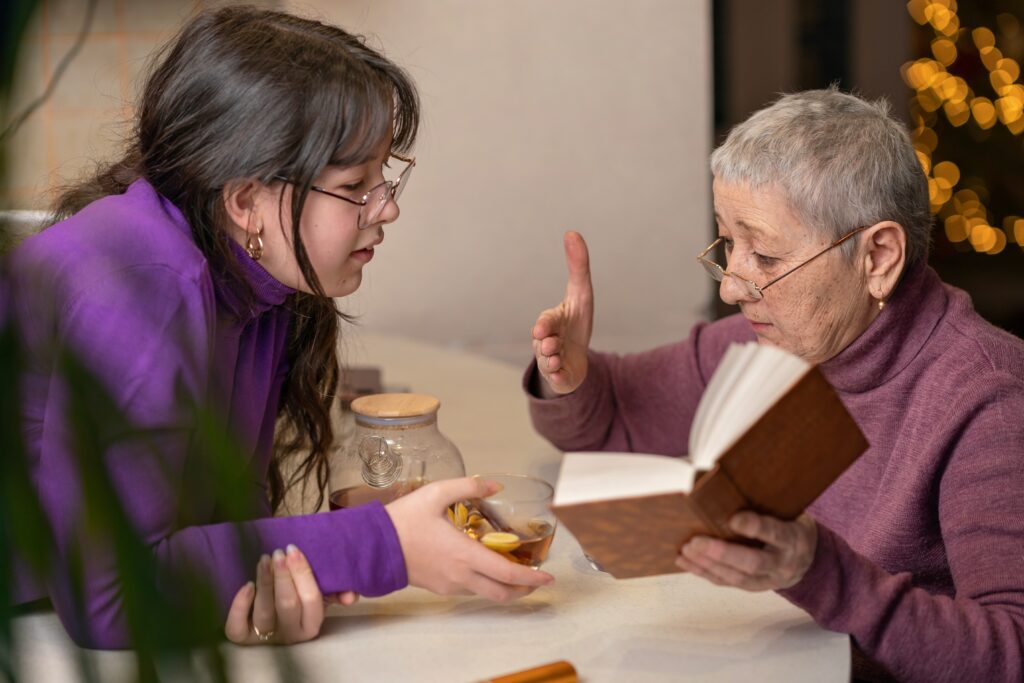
<point>262,636</point>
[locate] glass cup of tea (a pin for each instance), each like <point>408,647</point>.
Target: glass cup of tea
<point>515,522</point>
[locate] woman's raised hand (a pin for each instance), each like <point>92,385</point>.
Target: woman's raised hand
<point>561,334</point>
<point>283,606</point>
<point>443,559</point>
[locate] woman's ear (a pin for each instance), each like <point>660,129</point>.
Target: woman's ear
<point>885,258</point>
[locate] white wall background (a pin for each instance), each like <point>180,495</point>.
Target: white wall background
<point>539,116</point>
<point>542,116</point>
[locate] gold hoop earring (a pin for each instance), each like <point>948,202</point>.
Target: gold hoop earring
<point>254,247</point>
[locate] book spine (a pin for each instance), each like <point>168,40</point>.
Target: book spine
<point>715,499</point>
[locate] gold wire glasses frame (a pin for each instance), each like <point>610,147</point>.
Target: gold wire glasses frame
<point>373,202</point>
<point>752,288</point>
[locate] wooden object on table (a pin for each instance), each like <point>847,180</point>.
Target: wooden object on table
<point>555,672</point>
<point>395,405</point>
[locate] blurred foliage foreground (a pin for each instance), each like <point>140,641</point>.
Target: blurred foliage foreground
<point>172,618</point>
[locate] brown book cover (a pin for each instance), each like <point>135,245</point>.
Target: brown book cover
<point>779,466</point>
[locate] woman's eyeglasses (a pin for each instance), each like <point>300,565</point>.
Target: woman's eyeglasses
<point>754,290</point>
<point>373,202</point>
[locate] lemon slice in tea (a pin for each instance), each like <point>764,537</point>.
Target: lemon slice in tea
<point>501,541</point>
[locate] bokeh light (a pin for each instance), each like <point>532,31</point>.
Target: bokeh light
<point>948,171</point>
<point>940,93</point>
<point>983,111</point>
<point>983,38</point>
<point>944,50</point>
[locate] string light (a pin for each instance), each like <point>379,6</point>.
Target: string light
<point>937,92</point>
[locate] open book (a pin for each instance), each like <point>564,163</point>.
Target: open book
<point>769,435</point>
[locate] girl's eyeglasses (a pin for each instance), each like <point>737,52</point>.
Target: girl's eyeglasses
<point>373,202</point>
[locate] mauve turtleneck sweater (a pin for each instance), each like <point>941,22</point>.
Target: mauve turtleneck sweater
<point>123,284</point>
<point>920,554</point>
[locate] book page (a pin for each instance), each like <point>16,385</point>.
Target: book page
<point>587,477</point>
<point>750,385</point>
<point>728,372</point>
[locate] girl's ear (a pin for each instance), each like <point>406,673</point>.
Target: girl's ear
<point>885,258</point>
<point>239,198</point>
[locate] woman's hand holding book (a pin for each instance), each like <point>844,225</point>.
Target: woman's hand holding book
<point>781,562</point>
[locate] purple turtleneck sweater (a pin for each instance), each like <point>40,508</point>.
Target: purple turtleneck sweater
<point>123,284</point>
<point>920,554</point>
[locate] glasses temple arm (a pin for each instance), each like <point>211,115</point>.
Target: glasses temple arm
<point>823,251</point>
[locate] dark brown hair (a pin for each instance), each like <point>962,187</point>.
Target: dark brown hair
<point>242,92</point>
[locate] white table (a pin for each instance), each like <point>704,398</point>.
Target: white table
<point>654,629</point>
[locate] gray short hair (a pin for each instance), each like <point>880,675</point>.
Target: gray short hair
<point>840,161</point>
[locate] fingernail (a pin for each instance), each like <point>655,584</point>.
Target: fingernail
<point>291,549</point>
<point>264,561</point>
<point>279,558</point>
<point>698,545</point>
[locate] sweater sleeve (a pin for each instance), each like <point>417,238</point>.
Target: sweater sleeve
<point>147,336</point>
<point>976,634</point>
<point>641,402</point>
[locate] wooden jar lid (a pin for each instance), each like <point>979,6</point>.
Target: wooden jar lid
<point>395,405</point>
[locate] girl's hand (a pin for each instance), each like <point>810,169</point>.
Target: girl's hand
<point>285,603</point>
<point>444,560</point>
<point>786,556</point>
<point>561,334</point>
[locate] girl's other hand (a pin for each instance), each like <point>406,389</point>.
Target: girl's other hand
<point>283,606</point>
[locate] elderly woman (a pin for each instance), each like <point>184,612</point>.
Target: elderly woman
<point>917,550</point>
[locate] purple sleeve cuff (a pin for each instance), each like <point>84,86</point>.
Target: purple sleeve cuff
<point>349,550</point>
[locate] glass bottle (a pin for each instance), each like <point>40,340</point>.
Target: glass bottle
<point>396,448</point>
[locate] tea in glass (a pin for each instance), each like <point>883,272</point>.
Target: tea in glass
<point>516,522</point>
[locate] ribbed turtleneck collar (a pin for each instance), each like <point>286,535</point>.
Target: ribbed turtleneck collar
<point>246,300</point>
<point>266,291</point>
<point>894,338</point>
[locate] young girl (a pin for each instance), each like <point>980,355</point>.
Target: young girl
<point>268,154</point>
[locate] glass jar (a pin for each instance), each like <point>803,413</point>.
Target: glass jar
<point>395,449</point>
